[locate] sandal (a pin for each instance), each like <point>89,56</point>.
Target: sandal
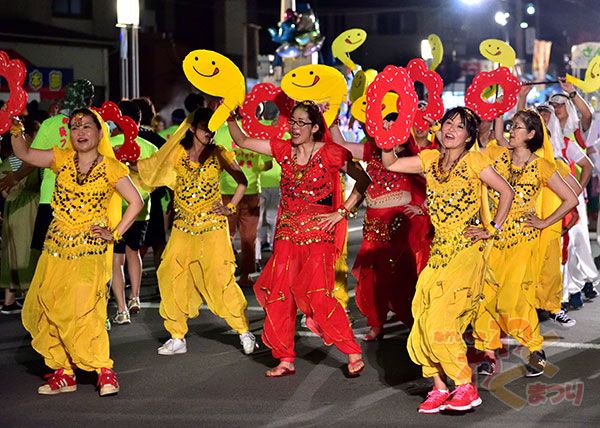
<point>372,337</point>
<point>281,371</point>
<point>353,371</point>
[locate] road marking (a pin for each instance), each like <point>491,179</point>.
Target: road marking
<point>553,344</point>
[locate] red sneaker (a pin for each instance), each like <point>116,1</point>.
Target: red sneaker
<point>58,382</point>
<point>107,382</point>
<point>435,401</point>
<point>464,397</point>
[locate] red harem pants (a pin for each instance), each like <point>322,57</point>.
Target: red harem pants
<point>385,266</point>
<point>302,277</point>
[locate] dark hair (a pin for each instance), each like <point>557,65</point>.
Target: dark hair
<point>130,109</point>
<point>194,101</point>
<point>177,116</point>
<point>85,112</point>
<point>391,117</point>
<point>200,119</point>
<point>314,115</point>
<point>146,108</point>
<point>469,119</point>
<point>533,122</point>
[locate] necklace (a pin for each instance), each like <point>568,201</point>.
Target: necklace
<point>441,175</point>
<point>80,177</point>
<point>516,170</point>
<point>299,171</point>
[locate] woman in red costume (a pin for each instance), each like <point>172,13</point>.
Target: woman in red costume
<point>309,236</point>
<point>395,238</point>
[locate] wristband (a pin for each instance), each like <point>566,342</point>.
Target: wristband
<point>496,226</point>
<point>345,212</point>
<point>116,235</point>
<point>572,94</point>
<point>232,208</point>
<point>17,129</point>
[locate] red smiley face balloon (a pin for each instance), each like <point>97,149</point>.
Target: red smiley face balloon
<point>130,150</point>
<point>261,93</point>
<point>394,79</point>
<point>501,77</point>
<point>14,72</point>
<point>417,70</point>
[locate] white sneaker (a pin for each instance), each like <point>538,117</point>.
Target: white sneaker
<point>133,305</point>
<point>121,318</point>
<point>172,347</point>
<point>248,341</point>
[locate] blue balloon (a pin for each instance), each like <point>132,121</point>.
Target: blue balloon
<point>288,50</point>
<point>285,32</point>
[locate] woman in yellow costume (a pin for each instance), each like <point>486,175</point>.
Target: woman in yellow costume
<point>510,287</point>
<point>198,264</point>
<point>65,309</point>
<point>449,287</point>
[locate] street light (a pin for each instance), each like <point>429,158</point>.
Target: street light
<point>471,2</point>
<point>128,15</point>
<point>426,53</point>
<point>501,18</point>
<point>530,9</point>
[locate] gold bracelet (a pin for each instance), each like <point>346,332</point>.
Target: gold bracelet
<point>116,235</point>
<point>232,208</point>
<point>17,129</point>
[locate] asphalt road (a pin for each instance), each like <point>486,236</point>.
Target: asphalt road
<point>216,385</point>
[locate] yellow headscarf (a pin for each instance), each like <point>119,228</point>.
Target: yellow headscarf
<point>548,201</point>
<point>159,170</point>
<point>106,150</point>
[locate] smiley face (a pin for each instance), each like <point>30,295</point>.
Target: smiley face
<point>319,83</point>
<point>348,41</point>
<point>213,73</point>
<point>388,105</point>
<point>437,50</point>
<point>360,83</point>
<point>591,80</point>
<point>216,75</point>
<point>498,51</point>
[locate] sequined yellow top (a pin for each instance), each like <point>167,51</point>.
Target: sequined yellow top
<point>77,207</point>
<point>197,190</point>
<point>453,201</point>
<point>527,182</point>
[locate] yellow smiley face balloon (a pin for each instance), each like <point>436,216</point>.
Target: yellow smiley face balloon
<point>216,75</point>
<point>319,83</point>
<point>360,83</point>
<point>498,51</point>
<point>591,80</point>
<point>437,50</point>
<point>388,105</point>
<point>346,42</point>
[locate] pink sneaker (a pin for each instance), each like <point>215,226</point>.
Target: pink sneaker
<point>464,397</point>
<point>435,401</point>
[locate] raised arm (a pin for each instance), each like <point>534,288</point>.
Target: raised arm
<point>242,140</point>
<point>569,201</point>
<point>357,150</point>
<point>584,108</point>
<point>409,165</point>
<point>499,131</point>
<point>494,180</point>
<point>39,158</point>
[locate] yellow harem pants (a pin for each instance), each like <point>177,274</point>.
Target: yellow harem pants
<point>445,302</point>
<point>509,299</point>
<point>198,269</point>
<point>548,294</point>
<point>65,311</point>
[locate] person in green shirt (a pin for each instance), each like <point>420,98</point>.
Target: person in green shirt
<point>129,247</point>
<point>54,131</point>
<point>246,218</point>
<point>177,117</point>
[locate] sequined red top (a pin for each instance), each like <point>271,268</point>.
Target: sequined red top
<point>383,182</point>
<point>307,191</point>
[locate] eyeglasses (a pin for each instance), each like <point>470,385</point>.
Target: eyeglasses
<point>299,123</point>
<point>510,126</point>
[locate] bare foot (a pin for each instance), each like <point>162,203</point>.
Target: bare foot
<point>355,364</point>
<point>283,369</point>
